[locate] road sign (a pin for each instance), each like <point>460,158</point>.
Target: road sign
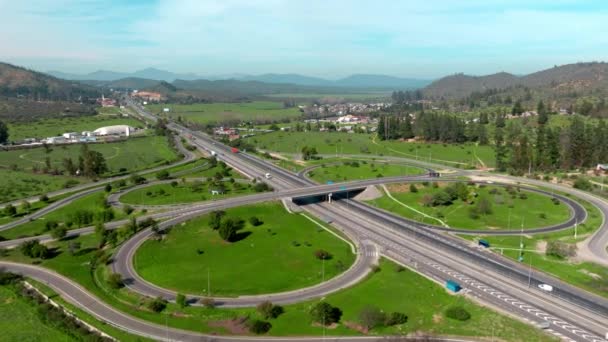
<point>342,188</point>
<point>330,182</point>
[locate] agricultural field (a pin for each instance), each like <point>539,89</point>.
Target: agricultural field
<point>571,269</point>
<point>341,144</point>
<point>361,170</point>
<point>369,96</point>
<point>506,210</point>
<point>131,155</point>
<point>284,246</point>
<point>19,320</point>
<point>54,127</point>
<point>184,192</point>
<point>205,113</point>
<point>15,185</point>
<point>91,204</point>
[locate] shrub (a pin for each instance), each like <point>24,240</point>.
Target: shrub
<point>34,249</point>
<point>10,210</point>
<point>162,175</point>
<point>115,281</point>
<point>483,206</point>
<point>560,249</point>
<point>396,318</point>
<point>413,188</point>
<point>458,313</point>
<point>180,300</point>
<point>325,313</point>
<point>157,304</point>
<point>542,216</point>
<point>582,184</point>
<point>209,303</point>
<point>108,188</point>
<point>322,254</point>
<point>255,221</point>
<point>59,232</point>
<point>127,209</point>
<point>44,198</point>
<point>174,184</point>
<point>555,201</point>
<point>269,310</point>
<point>371,317</point>
<point>259,327</point>
<point>50,224</point>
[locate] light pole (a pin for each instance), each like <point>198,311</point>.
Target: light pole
<point>530,272</point>
<point>575,228</point>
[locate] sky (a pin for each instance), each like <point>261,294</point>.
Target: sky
<point>326,38</point>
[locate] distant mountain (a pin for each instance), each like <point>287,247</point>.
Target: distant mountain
<point>570,79</point>
<point>288,79</point>
<point>128,83</point>
<point>23,83</point>
<point>354,81</point>
<point>381,81</point>
<point>105,75</point>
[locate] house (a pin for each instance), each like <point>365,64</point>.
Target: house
<point>601,168</point>
<point>70,135</point>
<point>56,140</point>
<point>225,131</point>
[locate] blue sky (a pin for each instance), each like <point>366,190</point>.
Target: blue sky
<point>327,38</point>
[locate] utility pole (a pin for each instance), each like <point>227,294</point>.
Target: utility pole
<point>575,228</point>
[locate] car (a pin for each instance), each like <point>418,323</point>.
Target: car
<point>545,287</point>
<point>544,325</point>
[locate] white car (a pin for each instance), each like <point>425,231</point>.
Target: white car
<point>545,287</point>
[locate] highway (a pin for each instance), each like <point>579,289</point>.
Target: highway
<point>574,314</point>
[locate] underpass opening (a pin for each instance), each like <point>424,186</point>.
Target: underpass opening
<point>327,197</point>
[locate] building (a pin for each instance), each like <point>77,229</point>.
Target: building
<point>115,130</point>
<point>70,135</point>
<point>105,102</point>
<point>55,140</point>
<point>225,131</point>
<point>148,96</point>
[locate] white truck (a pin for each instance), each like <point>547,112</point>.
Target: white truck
<point>213,153</point>
<point>267,175</point>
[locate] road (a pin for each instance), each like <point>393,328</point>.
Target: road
<point>574,314</point>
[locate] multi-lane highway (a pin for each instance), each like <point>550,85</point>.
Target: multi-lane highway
<point>573,314</point>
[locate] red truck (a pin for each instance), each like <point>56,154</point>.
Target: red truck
<point>234,150</point>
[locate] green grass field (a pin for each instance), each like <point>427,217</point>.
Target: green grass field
<point>456,215</point>
<point>55,127</point>
<point>279,263</point>
<point>361,170</point>
<point>379,96</point>
<point>15,185</point>
<point>133,154</point>
<point>90,203</point>
<point>19,321</point>
<point>190,191</point>
<point>422,300</point>
<point>586,275</point>
<point>339,144</point>
<point>222,112</point>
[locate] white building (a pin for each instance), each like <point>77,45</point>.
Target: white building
<point>70,135</point>
<point>115,130</point>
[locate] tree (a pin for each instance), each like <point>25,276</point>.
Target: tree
<point>157,304</point>
<point>10,210</point>
<point>255,221</point>
<point>413,188</point>
<point>269,310</point>
<point>180,300</point>
<point>59,232</point>
<point>162,175</point>
<point>228,229</point>
<point>101,233</point>
<point>322,254</point>
<point>483,206</point>
<point>326,314</point>
<point>215,219</point>
<point>3,133</point>
<point>543,116</point>
<point>396,318</point>
<point>500,150</point>
<point>259,327</point>
<point>73,247</point>
<point>517,108</point>
<point>136,179</point>
<point>26,207</point>
<point>309,153</point>
<point>371,317</point>
<point>560,249</point>
<point>34,249</point>
<point>115,281</point>
<point>108,188</point>
<point>44,198</point>
<point>209,303</point>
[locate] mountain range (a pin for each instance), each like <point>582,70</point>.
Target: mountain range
<point>354,81</point>
<point>570,79</point>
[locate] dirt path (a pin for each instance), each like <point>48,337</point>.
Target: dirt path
<point>388,193</point>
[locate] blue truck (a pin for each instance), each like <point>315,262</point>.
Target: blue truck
<point>484,243</point>
<point>453,286</point>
